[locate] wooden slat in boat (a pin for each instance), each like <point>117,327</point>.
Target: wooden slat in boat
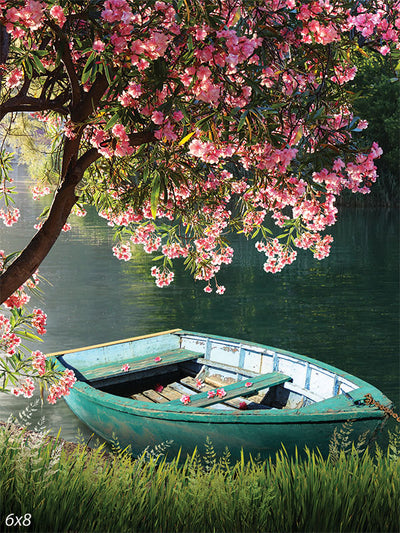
<point>154,396</point>
<point>206,386</point>
<point>140,397</point>
<point>140,363</point>
<point>170,394</point>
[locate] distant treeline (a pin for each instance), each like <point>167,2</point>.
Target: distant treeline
<point>377,99</point>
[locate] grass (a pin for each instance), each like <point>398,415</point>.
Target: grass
<point>353,489</point>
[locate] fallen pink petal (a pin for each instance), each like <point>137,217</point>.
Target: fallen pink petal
<point>159,388</point>
<point>157,359</point>
<point>125,368</point>
<point>248,384</point>
<point>185,399</point>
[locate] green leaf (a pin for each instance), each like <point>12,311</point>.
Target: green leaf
<point>87,71</point>
<point>39,64</point>
<point>28,67</point>
<point>107,73</point>
<point>155,193</point>
<point>113,120</point>
<point>242,120</point>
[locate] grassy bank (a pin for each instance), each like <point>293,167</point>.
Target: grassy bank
<point>46,488</point>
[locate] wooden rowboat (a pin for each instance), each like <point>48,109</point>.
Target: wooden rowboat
<point>178,387</point>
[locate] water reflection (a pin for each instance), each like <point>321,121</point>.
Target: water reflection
<point>343,310</point>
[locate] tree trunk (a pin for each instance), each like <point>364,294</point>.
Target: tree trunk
<point>31,257</point>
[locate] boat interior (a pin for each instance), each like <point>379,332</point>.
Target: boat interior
<point>192,378</point>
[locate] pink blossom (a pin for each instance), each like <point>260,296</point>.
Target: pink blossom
<point>14,78</point>
<point>39,362</point>
<point>122,252</point>
<point>177,116</point>
<point>157,359</point>
<point>26,389</point>
<point>248,384</point>
<point>39,321</point>
<point>98,45</point>
<point>39,191</point>
<point>157,117</point>
<point>362,124</point>
<point>125,367</point>
<point>221,393</point>
<point>62,387</point>
<point>220,289</point>
<point>243,406</point>
<point>384,50</point>
<point>10,216</point>
<point>158,388</point>
<point>57,13</point>
<point>185,399</point>
<point>210,394</point>
<point>30,15</point>
<point>163,277</point>
<point>199,383</point>
<point>18,299</point>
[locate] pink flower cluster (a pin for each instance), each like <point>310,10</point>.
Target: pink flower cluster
<point>39,191</point>
<point>277,255</point>
<point>57,13</point>
<point>26,389</point>
<point>164,277</point>
<point>10,216</point>
<point>39,321</point>
<point>29,16</point>
<point>14,78</point>
<point>62,387</point>
<point>122,251</point>
<point>9,341</point>
<point>39,362</point>
<point>18,299</point>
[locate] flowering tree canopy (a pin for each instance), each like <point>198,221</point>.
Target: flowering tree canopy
<point>184,120</point>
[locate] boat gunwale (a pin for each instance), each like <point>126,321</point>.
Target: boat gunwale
<point>113,343</point>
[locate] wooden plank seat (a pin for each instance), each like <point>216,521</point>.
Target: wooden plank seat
<point>236,389</point>
<point>139,364</point>
<point>213,384</point>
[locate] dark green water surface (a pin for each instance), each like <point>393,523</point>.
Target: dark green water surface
<point>343,310</point>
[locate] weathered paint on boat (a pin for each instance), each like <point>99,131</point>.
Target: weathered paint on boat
<point>141,424</point>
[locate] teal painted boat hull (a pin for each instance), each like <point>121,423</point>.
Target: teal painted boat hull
<point>257,432</point>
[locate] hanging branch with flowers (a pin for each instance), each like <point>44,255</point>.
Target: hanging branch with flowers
<point>183,121</point>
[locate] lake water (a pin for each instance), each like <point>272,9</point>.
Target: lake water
<point>343,310</point>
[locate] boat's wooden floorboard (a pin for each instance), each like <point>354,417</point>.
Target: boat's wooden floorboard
<point>154,396</point>
<point>188,385</point>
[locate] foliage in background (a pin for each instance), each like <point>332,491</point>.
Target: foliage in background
<point>377,90</point>
<point>93,492</point>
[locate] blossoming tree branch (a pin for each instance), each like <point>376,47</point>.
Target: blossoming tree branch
<point>181,122</point>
